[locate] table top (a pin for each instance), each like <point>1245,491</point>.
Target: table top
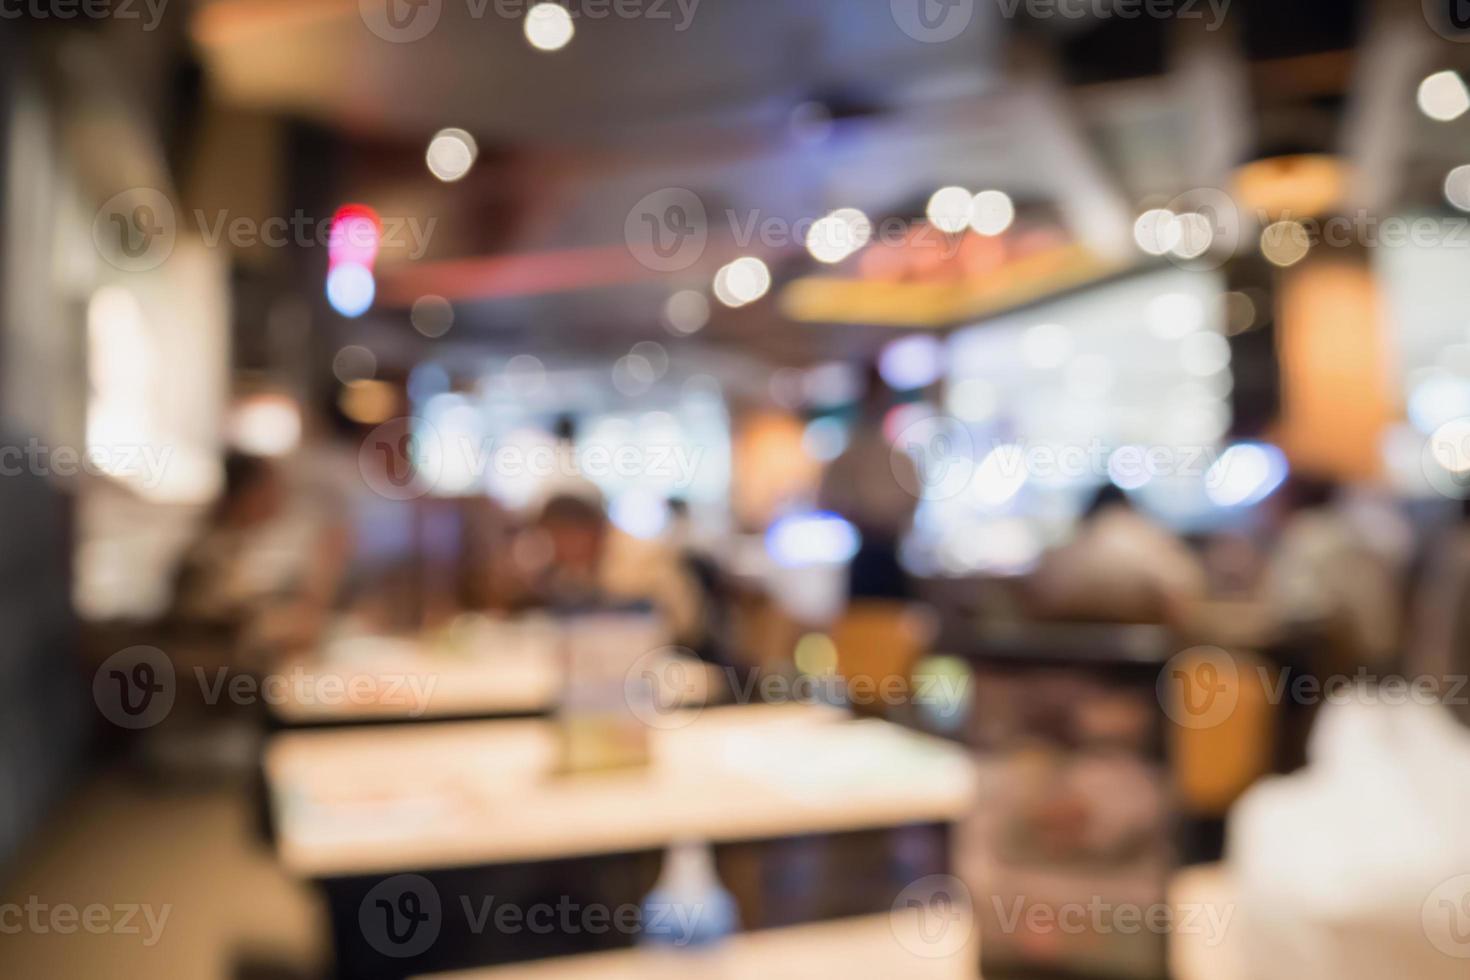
<point>880,947</point>
<point>497,669</point>
<point>416,797</point>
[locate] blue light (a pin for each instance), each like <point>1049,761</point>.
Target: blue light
<point>427,380</point>
<point>1246,474</point>
<point>350,289</point>
<point>817,538</point>
<point>911,363</point>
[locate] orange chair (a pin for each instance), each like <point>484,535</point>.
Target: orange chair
<point>878,643</point>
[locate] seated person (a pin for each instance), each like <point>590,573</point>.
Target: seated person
<point>239,580</point>
<point>1119,567</point>
<point>581,562</point>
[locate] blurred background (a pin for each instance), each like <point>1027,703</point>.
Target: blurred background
<point>944,487</point>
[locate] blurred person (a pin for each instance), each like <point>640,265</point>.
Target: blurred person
<point>868,485</point>
<point>567,478</point>
<point>585,563</point>
<point>358,487</point>
<point>247,575</point>
<point>215,583</point>
<point>1439,644</point>
<point>715,591</point>
<point>1325,575</point>
<point>1119,567</point>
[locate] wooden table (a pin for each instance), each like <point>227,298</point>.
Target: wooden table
<point>879,947</point>
<point>478,809</point>
<point>500,669</point>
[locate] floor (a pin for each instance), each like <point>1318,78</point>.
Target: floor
<point>194,856</point>
<point>197,857</point>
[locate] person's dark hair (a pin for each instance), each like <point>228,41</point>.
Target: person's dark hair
<point>1106,496</point>
<point>564,509</point>
<point>876,393</point>
<point>1306,492</point>
<point>243,473</point>
<point>564,428</point>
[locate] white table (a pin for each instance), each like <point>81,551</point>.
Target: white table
<point>497,669</point>
<point>392,798</point>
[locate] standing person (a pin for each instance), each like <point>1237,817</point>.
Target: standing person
<point>865,486</point>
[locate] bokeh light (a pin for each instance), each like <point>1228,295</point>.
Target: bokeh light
<point>549,27</point>
<point>992,212</point>
<point>350,289</point>
<point>950,209</point>
<point>1442,96</point>
<point>451,154</point>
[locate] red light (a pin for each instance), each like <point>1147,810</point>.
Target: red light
<point>356,233</point>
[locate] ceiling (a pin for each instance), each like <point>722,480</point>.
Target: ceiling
<point>533,246</point>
